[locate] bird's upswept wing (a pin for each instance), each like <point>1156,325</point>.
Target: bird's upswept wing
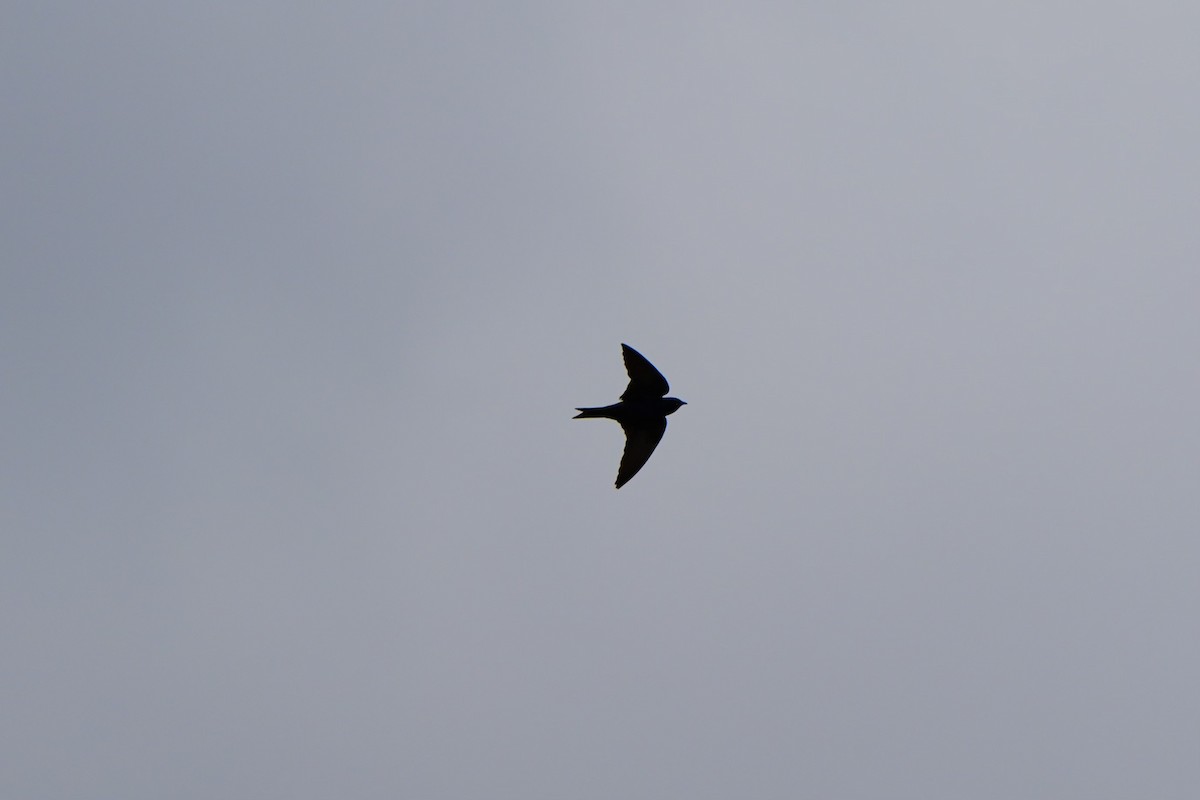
<point>640,440</point>
<point>644,381</point>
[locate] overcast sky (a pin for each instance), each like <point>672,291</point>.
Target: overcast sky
<point>296,303</point>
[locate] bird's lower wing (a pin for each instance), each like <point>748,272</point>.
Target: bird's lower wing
<point>640,441</point>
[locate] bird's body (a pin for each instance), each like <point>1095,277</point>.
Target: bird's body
<point>634,412</point>
<point>642,412</point>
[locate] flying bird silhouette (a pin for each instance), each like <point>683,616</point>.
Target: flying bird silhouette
<point>642,412</point>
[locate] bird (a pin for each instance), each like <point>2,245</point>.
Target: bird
<point>642,412</point>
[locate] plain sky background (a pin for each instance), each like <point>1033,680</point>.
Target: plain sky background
<point>297,300</point>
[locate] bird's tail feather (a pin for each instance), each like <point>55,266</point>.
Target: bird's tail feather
<point>584,413</point>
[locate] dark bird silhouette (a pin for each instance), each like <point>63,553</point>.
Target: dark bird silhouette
<point>642,412</point>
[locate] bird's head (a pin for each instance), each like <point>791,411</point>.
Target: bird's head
<point>672,404</point>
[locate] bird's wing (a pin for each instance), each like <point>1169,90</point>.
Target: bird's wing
<point>644,379</point>
<point>640,441</point>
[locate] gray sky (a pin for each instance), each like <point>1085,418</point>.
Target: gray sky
<point>296,304</point>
